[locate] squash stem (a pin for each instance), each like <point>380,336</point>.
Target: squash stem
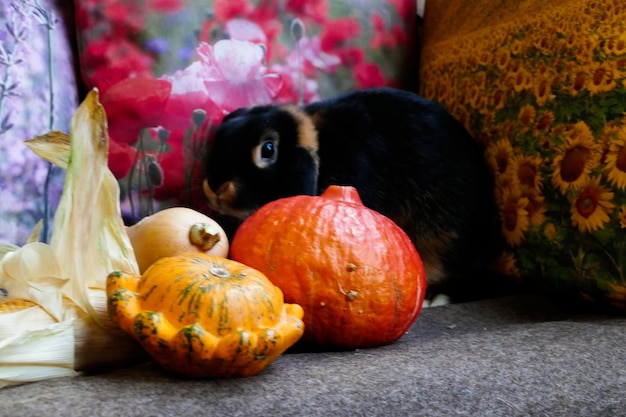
<point>203,235</point>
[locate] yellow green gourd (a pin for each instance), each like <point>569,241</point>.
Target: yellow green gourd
<point>205,316</point>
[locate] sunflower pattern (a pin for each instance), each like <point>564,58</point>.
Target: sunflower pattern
<point>542,86</point>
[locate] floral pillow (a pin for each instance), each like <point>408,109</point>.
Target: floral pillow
<point>37,94</point>
<point>543,87</point>
<point>170,70</point>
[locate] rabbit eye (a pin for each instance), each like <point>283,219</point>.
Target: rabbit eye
<point>266,152</point>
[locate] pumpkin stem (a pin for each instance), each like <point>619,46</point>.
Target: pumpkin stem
<point>345,193</point>
<point>219,272</point>
<point>204,235</point>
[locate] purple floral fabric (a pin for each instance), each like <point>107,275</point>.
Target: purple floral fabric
<point>37,94</point>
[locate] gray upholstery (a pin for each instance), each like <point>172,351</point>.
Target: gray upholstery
<point>514,356</point>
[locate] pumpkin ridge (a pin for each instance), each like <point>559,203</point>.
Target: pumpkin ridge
<point>391,330</point>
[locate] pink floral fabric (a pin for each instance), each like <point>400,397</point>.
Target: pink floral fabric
<point>170,70</point>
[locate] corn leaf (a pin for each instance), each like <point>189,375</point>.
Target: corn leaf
<point>53,147</point>
<point>53,314</point>
<point>32,273</point>
<point>51,346</point>
<point>88,236</point>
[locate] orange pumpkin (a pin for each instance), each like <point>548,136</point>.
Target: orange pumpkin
<point>204,316</point>
<point>356,274</point>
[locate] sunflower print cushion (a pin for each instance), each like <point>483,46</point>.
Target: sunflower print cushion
<point>543,87</point>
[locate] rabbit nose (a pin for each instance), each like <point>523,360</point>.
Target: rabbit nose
<point>222,198</point>
<point>208,191</point>
<point>226,191</point>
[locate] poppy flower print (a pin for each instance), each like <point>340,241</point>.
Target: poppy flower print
<point>237,77</point>
<point>170,70</point>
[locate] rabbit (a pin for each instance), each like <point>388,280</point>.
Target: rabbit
<point>408,158</point>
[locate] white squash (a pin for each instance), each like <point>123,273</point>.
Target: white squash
<point>176,231</point>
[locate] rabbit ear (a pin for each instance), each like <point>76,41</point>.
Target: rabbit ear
<point>265,154</point>
<point>235,113</point>
<point>307,132</point>
<point>306,160</point>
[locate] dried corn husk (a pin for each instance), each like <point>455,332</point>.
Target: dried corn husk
<point>53,315</point>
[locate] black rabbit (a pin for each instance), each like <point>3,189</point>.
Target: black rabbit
<point>408,158</point>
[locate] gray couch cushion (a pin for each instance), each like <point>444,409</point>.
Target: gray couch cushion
<point>514,356</point>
